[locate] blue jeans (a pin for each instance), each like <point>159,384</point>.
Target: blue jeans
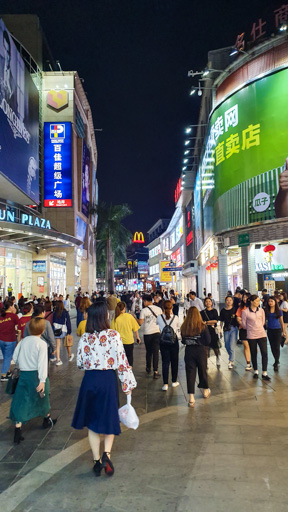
<point>230,338</point>
<point>80,317</point>
<point>7,348</point>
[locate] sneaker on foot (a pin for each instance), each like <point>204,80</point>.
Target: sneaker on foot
<point>4,378</point>
<point>230,365</point>
<point>248,367</point>
<point>165,387</point>
<point>53,359</point>
<point>156,375</point>
<point>255,376</point>
<point>266,377</point>
<point>71,357</point>
<point>218,362</point>
<point>59,363</point>
<point>175,384</point>
<point>8,374</point>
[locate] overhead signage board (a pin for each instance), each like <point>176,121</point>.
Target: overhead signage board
<point>240,174</point>
<point>39,266</point>
<point>244,240</point>
<point>172,269</point>
<point>19,120</point>
<point>57,165</point>
<point>165,277</point>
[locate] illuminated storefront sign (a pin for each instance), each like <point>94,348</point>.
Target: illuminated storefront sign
<point>138,237</point>
<point>57,165</point>
<point>18,217</point>
<point>189,238</point>
<point>244,155</point>
<point>261,267</point>
<point>178,191</point>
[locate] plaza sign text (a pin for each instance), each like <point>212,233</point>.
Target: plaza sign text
<point>25,219</point>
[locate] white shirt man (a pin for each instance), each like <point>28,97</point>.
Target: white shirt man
<point>148,316</point>
<point>194,301</point>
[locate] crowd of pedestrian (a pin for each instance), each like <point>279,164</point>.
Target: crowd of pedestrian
<point>33,332</point>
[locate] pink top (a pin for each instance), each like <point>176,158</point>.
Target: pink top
<point>254,322</point>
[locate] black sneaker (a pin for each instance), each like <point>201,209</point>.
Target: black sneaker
<point>8,374</point>
<point>48,422</point>
<point>4,378</point>
<point>107,464</point>
<point>148,370</point>
<point>156,375</point>
<point>255,376</point>
<point>97,468</point>
<point>266,377</point>
<point>275,367</point>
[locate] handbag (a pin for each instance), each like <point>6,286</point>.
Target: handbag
<point>14,378</point>
<point>282,342</point>
<point>68,341</point>
<point>128,416</point>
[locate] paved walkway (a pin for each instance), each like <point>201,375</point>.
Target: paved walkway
<point>228,452</point>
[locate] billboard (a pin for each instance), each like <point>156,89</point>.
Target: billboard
<point>81,229</point>
<point>243,171</point>
<point>19,120</point>
<point>57,165</point>
<point>165,277</point>
<point>85,180</point>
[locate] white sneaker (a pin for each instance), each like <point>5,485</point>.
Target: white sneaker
<point>218,362</point>
<point>71,357</point>
<point>59,363</point>
<point>165,387</point>
<point>175,384</point>
<point>230,365</point>
<point>248,367</point>
<point>53,359</point>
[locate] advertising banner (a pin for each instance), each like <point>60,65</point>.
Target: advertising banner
<point>57,165</point>
<point>165,277</point>
<point>81,229</point>
<point>244,157</point>
<point>85,180</point>
<point>19,120</point>
<point>39,266</point>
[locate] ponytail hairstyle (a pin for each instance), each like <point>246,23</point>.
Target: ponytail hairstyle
<point>7,304</point>
<point>119,308</point>
<point>27,308</point>
<point>167,306</point>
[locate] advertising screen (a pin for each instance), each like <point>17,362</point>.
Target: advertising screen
<point>57,165</point>
<point>85,180</point>
<point>19,120</point>
<point>81,229</point>
<point>245,155</point>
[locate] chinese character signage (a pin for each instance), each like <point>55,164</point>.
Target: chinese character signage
<point>165,277</point>
<point>57,165</point>
<point>19,120</point>
<point>85,180</point>
<point>178,191</point>
<point>244,161</point>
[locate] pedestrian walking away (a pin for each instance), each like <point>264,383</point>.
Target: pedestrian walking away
<point>253,319</point>
<point>283,305</point>
<point>61,328</point>
<point>169,344</point>
<point>244,304</point>
<point>126,325</point>
<point>210,318</point>
<point>100,353</point>
<point>8,325</point>
<point>275,329</point>
<point>195,336</point>
<point>229,324</point>
<point>31,398</point>
<point>148,316</point>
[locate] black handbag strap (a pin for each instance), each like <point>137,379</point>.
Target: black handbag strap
<point>152,311</point>
<point>165,320</point>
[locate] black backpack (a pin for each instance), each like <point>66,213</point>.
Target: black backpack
<point>168,335</point>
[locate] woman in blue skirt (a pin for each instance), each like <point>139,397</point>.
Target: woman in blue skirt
<point>31,398</point>
<point>99,349</point>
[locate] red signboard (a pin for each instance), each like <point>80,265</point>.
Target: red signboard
<point>57,202</point>
<point>178,191</point>
<point>189,238</point>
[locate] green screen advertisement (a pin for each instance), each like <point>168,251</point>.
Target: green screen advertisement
<point>244,160</point>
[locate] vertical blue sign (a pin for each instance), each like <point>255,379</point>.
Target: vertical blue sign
<point>57,165</point>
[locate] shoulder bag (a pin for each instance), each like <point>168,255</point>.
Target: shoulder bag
<point>14,378</point>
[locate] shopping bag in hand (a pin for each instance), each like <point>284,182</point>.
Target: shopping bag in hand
<point>128,416</point>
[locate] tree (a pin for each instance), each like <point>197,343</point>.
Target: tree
<point>112,239</point>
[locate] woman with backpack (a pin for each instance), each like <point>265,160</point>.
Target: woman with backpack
<point>169,346</point>
<point>195,337</point>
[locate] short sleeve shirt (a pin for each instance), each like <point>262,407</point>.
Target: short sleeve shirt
<point>150,325</point>
<point>125,324</point>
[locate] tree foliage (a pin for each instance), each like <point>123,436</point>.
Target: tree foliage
<point>109,224</point>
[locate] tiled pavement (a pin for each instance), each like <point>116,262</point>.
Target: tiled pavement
<point>230,452</point>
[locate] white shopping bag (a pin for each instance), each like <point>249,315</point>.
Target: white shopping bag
<point>128,416</point>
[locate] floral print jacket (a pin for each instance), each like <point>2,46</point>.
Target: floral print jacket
<point>104,351</point>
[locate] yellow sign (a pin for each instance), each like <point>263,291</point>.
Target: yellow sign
<point>138,237</point>
<point>165,277</point>
<point>57,99</point>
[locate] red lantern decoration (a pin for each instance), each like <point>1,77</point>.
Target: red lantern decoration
<point>269,248</point>
<point>208,268</point>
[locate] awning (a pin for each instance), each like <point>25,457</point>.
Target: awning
<point>35,237</point>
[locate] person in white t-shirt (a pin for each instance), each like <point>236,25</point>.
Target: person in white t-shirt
<point>194,301</point>
<point>148,316</point>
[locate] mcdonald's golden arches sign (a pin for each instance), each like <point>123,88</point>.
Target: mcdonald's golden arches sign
<point>138,237</point>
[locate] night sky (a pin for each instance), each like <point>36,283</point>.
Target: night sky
<point>134,56</point>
